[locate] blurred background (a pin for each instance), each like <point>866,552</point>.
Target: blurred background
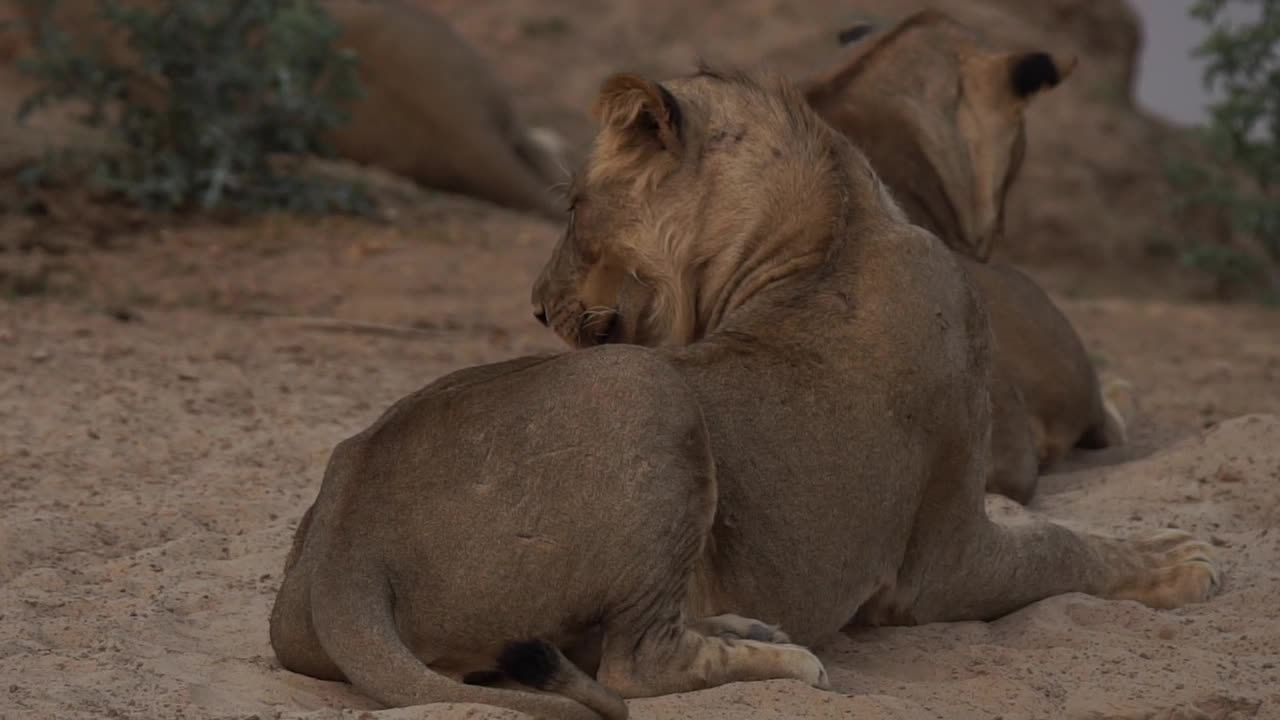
<point>1169,72</point>
<point>1122,192</point>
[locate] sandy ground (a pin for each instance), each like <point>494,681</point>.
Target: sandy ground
<point>167,404</point>
<point>167,410</point>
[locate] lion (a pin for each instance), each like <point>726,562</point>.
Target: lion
<point>940,115</point>
<point>803,444</point>
<point>432,109</point>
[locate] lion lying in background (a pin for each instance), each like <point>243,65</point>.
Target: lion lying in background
<point>433,111</point>
<point>807,445</point>
<point>941,118</point>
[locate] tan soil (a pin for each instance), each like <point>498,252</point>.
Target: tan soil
<point>166,409</point>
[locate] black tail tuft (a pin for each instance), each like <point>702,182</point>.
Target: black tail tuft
<point>535,663</point>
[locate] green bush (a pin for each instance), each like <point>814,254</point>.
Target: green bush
<point>222,102</point>
<point>1242,137</point>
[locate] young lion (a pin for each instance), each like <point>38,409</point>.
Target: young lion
<point>816,454</point>
<point>941,118</point>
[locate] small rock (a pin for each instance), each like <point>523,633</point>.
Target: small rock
<point>1229,475</point>
<point>124,314</point>
<point>40,355</point>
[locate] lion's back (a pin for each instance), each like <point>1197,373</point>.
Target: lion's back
<point>523,420</point>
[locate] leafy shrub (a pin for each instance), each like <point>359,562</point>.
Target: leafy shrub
<point>217,107</point>
<point>1242,174</point>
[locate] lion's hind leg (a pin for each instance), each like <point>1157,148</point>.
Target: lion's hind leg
<point>650,646</point>
<point>292,637</point>
<point>669,656</point>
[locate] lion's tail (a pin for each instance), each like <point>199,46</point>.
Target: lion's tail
<point>547,151</point>
<point>541,665</point>
<point>1117,408</point>
<point>351,608</point>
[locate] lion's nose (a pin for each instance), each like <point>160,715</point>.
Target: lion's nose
<point>541,315</point>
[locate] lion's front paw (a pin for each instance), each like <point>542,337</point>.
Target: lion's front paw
<point>1176,569</point>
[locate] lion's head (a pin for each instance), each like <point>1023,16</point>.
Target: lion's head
<point>941,115</point>
<point>698,192</point>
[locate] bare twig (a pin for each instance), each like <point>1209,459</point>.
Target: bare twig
<point>333,324</point>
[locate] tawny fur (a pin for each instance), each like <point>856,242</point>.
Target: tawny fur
<point>937,112</point>
<point>650,517</point>
<point>433,110</point>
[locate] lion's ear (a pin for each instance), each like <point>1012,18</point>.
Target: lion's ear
<point>642,110</point>
<point>1031,73</point>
